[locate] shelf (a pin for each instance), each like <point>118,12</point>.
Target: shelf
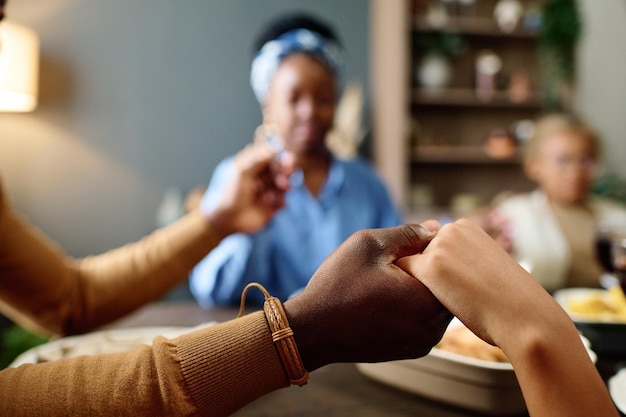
<point>467,97</point>
<point>458,155</point>
<point>471,26</point>
<point>436,138</point>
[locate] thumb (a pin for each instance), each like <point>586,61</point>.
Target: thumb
<point>406,239</point>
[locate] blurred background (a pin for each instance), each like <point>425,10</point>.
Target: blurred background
<point>139,98</point>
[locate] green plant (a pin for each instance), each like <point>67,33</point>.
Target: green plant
<point>610,186</point>
<point>560,30</point>
<point>441,43</point>
<point>15,340</point>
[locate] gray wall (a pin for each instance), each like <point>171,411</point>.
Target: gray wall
<point>136,97</point>
<point>601,86</point>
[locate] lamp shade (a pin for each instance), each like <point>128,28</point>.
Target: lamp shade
<point>19,68</point>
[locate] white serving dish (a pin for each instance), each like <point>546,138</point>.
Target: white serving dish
<point>483,386</point>
<point>617,388</point>
<point>608,338</point>
<point>99,342</point>
<point>453,379</point>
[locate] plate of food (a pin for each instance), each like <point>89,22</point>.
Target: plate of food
<point>600,315</point>
<point>461,370</point>
<point>99,342</point>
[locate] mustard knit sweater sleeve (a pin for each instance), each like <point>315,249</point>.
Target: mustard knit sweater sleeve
<point>41,286</point>
<point>209,372</point>
<point>213,371</point>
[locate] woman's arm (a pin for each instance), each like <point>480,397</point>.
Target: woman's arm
<point>40,284</point>
<point>210,372</point>
<point>499,301</point>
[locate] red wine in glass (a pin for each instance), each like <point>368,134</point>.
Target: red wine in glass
<point>603,252</point>
<point>611,253</point>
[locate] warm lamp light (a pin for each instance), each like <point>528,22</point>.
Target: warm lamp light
<point>19,68</point>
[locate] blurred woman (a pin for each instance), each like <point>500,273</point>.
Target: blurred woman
<point>295,75</point>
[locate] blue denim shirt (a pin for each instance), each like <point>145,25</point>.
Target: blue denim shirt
<point>284,255</point>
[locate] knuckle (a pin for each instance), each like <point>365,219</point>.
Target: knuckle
<point>368,240</point>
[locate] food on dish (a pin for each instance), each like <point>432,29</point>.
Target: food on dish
<point>461,340</point>
<point>599,305</point>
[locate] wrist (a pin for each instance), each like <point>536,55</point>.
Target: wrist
<point>534,338</point>
<point>282,335</point>
<point>218,221</point>
<point>310,339</point>
<point>553,366</point>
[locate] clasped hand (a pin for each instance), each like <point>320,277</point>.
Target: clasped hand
<point>390,293</point>
<point>256,192</point>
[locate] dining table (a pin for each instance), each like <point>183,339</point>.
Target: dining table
<point>334,390</point>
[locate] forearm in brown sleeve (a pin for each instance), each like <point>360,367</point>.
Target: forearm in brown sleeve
<point>210,372</point>
<point>121,280</point>
<point>40,284</point>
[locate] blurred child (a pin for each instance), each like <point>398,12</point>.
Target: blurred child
<point>553,229</point>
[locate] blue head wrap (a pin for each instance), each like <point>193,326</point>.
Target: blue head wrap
<point>268,59</point>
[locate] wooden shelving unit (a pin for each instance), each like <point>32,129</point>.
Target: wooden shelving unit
<point>435,138</point>
<point>459,155</point>
<point>474,26</point>
<point>466,97</point>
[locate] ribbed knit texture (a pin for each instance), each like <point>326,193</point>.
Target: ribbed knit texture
<point>246,363</point>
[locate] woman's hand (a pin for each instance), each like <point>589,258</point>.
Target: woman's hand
<point>479,282</point>
<point>256,192</point>
<point>360,307</point>
<point>498,300</point>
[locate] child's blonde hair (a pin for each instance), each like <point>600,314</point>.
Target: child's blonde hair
<point>553,123</point>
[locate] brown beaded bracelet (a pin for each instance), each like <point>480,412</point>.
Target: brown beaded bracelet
<point>282,335</point>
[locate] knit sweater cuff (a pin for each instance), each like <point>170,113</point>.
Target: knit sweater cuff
<point>231,364</point>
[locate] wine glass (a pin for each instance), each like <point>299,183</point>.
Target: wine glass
<point>611,250</point>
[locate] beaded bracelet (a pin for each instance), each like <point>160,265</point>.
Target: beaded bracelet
<point>282,335</point>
